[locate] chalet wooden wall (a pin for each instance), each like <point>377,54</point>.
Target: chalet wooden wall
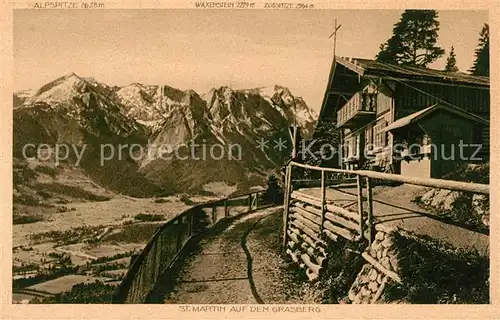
<point>421,95</point>
<point>447,131</point>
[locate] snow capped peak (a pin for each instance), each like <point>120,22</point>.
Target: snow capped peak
<point>270,92</point>
<point>267,92</point>
<point>138,101</point>
<point>139,86</point>
<point>61,89</point>
<point>229,109</point>
<point>90,80</point>
<point>134,87</point>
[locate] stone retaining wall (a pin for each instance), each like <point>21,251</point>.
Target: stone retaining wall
<point>381,267</point>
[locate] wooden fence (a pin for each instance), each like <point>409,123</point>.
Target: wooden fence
<point>171,239</point>
<point>308,221</point>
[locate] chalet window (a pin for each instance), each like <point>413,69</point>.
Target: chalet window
<point>355,145</point>
<point>349,145</point>
<point>369,138</point>
<point>426,140</point>
<point>481,136</point>
<point>380,136</point>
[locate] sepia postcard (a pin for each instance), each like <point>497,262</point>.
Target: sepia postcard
<point>260,159</point>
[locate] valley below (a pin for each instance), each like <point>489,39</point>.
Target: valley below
<point>78,218</point>
<point>84,241</point>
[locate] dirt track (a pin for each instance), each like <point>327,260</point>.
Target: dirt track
<point>239,265</point>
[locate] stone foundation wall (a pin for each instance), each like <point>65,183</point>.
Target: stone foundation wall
<point>381,268</point>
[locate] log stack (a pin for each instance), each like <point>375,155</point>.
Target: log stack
<point>310,223</point>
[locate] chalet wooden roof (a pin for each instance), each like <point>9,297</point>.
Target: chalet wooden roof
<point>366,67</point>
<point>339,90</point>
<point>415,117</point>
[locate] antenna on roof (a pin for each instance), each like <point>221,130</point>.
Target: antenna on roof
<point>334,35</point>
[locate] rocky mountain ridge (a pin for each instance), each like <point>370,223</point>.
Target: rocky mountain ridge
<point>78,110</point>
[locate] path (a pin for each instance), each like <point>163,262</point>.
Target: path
<point>78,253</point>
<point>239,265</point>
<point>393,209</point>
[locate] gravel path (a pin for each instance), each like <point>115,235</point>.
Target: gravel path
<point>240,265</point>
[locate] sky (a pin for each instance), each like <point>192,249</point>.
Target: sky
<point>203,49</point>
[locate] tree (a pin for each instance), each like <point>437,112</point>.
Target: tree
<point>451,62</point>
<point>481,66</point>
<point>413,41</point>
<point>274,192</point>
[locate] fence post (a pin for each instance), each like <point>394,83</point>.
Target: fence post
<point>288,191</point>
<point>360,207</point>
<point>190,223</point>
<point>214,213</point>
<point>178,225</point>
<point>369,200</point>
<point>323,201</point>
<point>226,211</point>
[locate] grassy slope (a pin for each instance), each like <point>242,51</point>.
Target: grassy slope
<point>434,272</point>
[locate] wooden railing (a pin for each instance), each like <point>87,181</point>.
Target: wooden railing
<point>171,239</point>
<point>309,220</point>
<point>358,102</point>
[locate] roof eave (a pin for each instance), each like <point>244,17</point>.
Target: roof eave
<point>434,108</point>
<point>351,64</point>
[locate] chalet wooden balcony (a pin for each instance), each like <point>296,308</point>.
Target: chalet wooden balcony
<point>359,110</point>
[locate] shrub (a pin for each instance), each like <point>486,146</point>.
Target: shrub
<point>111,258</point>
<point>44,194</point>
<point>23,175</point>
<point>477,173</point>
<point>70,236</point>
<point>46,276</point>
<point>25,268</point>
<point>96,292</point>
<point>24,219</point>
<point>26,199</point>
<point>434,272</point>
<point>206,193</point>
<point>149,217</point>
<point>46,170</point>
<point>161,200</point>
<point>71,191</point>
<point>135,233</point>
<point>186,200</point>
<point>341,270</point>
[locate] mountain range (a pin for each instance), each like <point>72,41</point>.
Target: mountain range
<point>86,113</point>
